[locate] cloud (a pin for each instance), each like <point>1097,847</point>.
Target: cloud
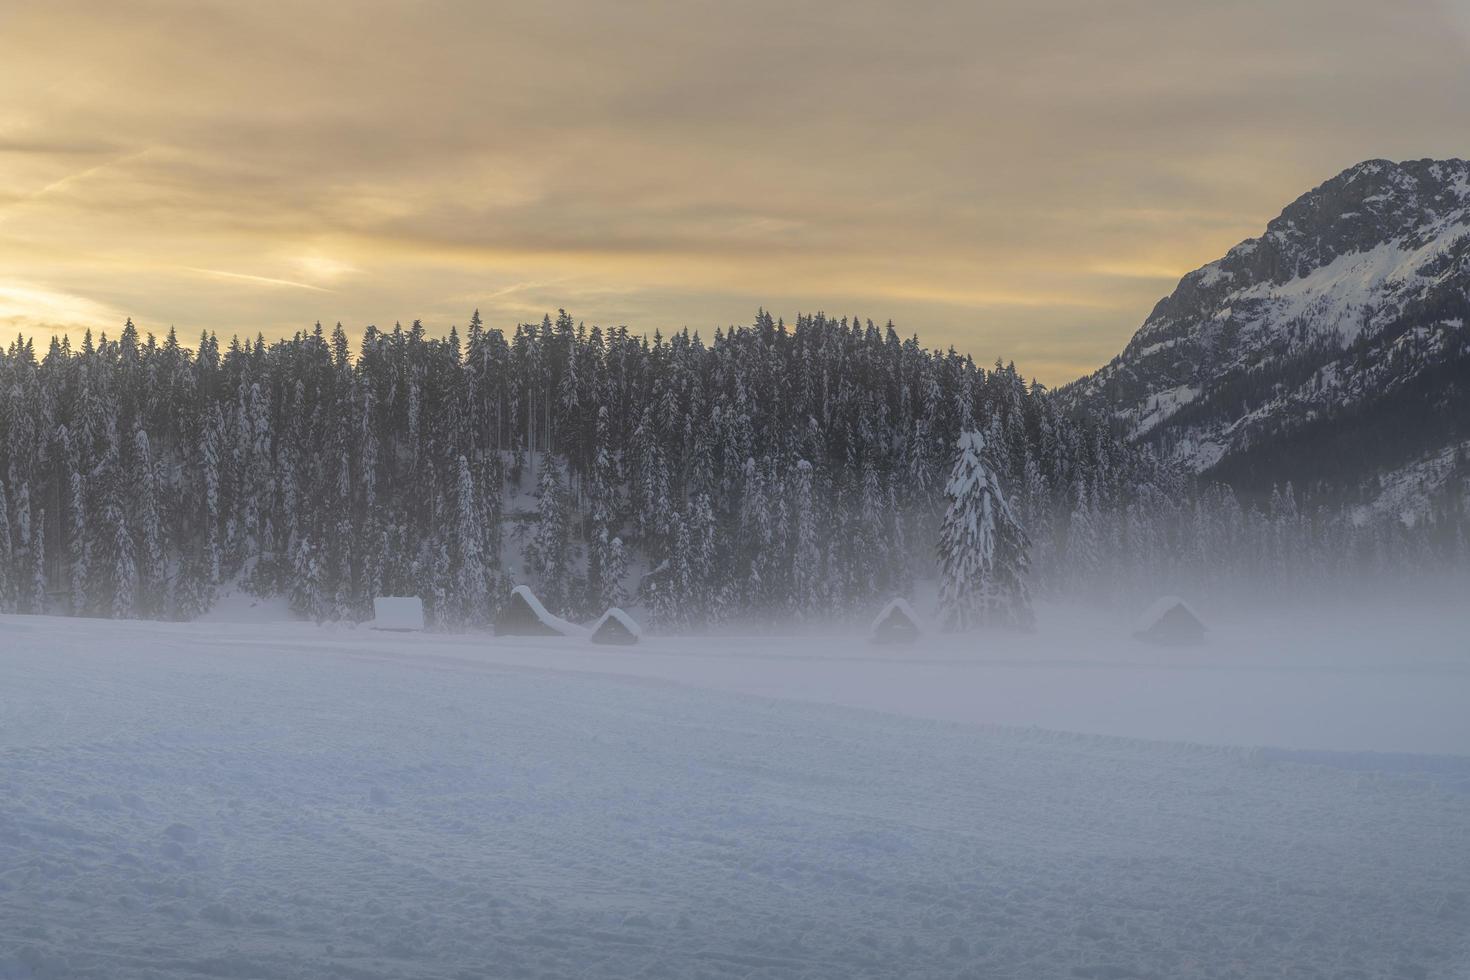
<point>958,166</point>
<point>54,147</point>
<point>258,280</point>
<point>30,309</point>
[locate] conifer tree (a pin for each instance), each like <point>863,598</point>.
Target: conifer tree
<point>1084,556</point>
<point>614,571</point>
<point>306,596</point>
<point>24,559</point>
<point>7,557</point>
<point>983,551</point>
<point>471,577</point>
<point>79,539</point>
<point>209,464</point>
<point>548,556</point>
<point>38,566</point>
<point>806,563</point>
<point>123,569</point>
<point>146,525</point>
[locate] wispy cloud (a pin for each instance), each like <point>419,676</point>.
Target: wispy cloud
<point>77,177</point>
<point>259,280</point>
<point>1137,270</point>
<point>31,308</point>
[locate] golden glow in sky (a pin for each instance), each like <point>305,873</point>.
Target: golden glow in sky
<point>1021,180</point>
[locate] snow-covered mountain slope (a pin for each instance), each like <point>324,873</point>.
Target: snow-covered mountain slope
<point>1331,349</point>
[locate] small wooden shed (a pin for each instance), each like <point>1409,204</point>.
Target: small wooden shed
<point>524,615</point>
<point>1170,622</point>
<point>896,623</point>
<point>398,614</point>
<point>616,628</point>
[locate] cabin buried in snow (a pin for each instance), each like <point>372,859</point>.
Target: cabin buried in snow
<point>398,614</point>
<point>616,628</point>
<point>524,615</point>
<point>895,623</point>
<point>1170,622</point>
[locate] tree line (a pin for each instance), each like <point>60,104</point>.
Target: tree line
<point>779,472</point>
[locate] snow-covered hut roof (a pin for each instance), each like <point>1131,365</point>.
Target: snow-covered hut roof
<point>401,613</point>
<point>897,603</point>
<point>629,623</point>
<point>552,622</point>
<point>895,623</point>
<point>1160,608</point>
<point>606,629</point>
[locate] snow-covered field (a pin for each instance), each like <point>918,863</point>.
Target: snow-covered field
<point>279,800</point>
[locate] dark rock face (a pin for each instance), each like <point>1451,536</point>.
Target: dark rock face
<point>1332,349</point>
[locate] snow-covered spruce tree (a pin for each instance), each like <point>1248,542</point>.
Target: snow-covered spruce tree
<point>604,583</point>
<point>79,544</point>
<point>664,589</point>
<point>548,556</point>
<point>209,469</point>
<point>806,563</point>
<point>192,593</point>
<point>755,537</point>
<point>38,565</point>
<point>22,559</point>
<point>614,570</point>
<point>306,596</point>
<point>471,577</point>
<point>146,525</point>
<point>123,569</point>
<point>1084,554</point>
<point>7,557</point>
<point>703,601</point>
<point>983,561</point>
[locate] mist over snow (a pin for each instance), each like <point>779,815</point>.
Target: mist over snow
<point>280,799</point>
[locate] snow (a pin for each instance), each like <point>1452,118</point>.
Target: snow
<point>1338,295</point>
<point>1210,275</point>
<point>630,624</point>
<point>285,800</point>
<point>562,626</point>
<point>1276,326</point>
<point>1150,617</point>
<point>1163,405</point>
<point>1198,451</point>
<point>902,605</point>
<point>235,605</point>
<point>398,613</point>
<point>1406,493</point>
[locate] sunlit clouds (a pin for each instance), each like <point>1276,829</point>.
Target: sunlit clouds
<point>1022,180</point>
<point>27,309</point>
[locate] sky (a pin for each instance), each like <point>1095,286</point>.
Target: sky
<point>1020,180</point>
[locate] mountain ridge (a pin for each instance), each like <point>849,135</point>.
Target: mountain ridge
<point>1331,350</point>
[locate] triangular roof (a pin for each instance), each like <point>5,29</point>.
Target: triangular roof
<point>1161,608</point>
<point>608,624</point>
<point>629,623</point>
<point>552,623</point>
<point>899,605</point>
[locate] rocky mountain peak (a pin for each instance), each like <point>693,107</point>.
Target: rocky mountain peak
<point>1356,293</point>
